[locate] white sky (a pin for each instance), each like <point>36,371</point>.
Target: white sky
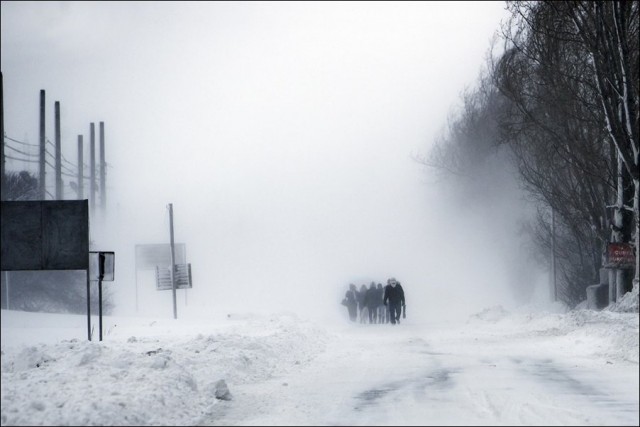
<point>283,134</point>
<point>495,367</point>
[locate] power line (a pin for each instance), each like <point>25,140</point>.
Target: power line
<point>21,152</point>
<point>36,155</point>
<point>75,175</point>
<point>20,142</point>
<point>63,167</point>
<point>65,160</point>
<point>21,160</point>
<point>62,155</point>
<point>67,171</point>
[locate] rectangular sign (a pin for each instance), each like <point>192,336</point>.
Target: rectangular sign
<point>183,277</point>
<point>148,257</point>
<point>620,255</point>
<point>108,261</point>
<point>44,235</point>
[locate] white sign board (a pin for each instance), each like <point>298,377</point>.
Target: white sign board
<point>183,277</point>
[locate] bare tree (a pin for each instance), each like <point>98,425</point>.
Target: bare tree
<point>609,31</point>
<point>577,63</point>
<point>20,186</point>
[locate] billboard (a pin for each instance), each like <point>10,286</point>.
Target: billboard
<point>44,235</point>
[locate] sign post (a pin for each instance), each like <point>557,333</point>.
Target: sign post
<point>101,268</point>
<point>173,262</point>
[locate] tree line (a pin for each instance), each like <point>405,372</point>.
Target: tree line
<point>559,105</point>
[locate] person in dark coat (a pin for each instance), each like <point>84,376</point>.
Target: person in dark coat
<point>371,302</point>
<point>351,302</point>
<point>362,294</point>
<point>394,299</point>
<point>383,313</point>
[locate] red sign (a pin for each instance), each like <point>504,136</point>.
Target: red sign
<point>620,255</point>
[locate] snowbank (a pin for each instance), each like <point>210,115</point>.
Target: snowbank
<point>608,335</point>
<point>166,373</point>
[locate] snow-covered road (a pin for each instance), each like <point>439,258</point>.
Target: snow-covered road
<point>493,368</point>
<point>426,374</point>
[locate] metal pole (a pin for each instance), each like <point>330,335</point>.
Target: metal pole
<point>88,304</point>
<point>100,276</point>
<point>41,172</point>
<point>173,263</point>
<point>92,168</point>
<point>103,172</point>
<point>100,307</point>
<point>80,169</point>
<point>59,195</point>
<point>553,254</point>
<point>3,180</point>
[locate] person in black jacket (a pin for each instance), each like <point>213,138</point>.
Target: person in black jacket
<point>394,299</point>
<point>351,302</point>
<point>362,295</point>
<point>371,301</point>
<point>383,313</point>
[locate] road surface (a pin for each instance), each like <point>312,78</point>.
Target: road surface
<point>427,374</point>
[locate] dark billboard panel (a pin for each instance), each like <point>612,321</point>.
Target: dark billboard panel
<point>45,235</point>
<point>21,236</point>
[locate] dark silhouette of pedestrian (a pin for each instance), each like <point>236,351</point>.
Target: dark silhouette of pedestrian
<point>371,302</point>
<point>362,294</point>
<point>394,299</point>
<point>383,313</point>
<point>351,302</point>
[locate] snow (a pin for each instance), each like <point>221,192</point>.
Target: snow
<point>497,367</point>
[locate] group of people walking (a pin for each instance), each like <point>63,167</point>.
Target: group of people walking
<point>376,304</point>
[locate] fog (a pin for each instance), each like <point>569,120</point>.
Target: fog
<point>283,134</point>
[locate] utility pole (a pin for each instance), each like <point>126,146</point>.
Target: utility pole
<point>92,166</point>
<point>3,178</point>
<point>103,172</point>
<point>80,169</point>
<point>59,195</point>
<point>553,255</point>
<point>173,262</point>
<point>41,178</point>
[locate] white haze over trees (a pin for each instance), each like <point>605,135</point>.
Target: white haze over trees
<point>284,134</point>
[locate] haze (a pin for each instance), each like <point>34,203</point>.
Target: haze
<point>284,135</point>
